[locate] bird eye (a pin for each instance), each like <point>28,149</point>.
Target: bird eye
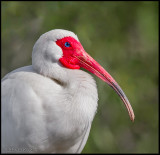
<point>67,44</point>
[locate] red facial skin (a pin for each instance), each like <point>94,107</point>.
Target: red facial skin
<point>68,59</point>
<point>75,57</point>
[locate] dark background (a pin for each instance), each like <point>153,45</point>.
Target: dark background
<point>123,38</point>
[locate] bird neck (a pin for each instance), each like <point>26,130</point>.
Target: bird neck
<point>54,71</point>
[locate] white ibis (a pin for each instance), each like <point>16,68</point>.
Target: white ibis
<point>48,107</point>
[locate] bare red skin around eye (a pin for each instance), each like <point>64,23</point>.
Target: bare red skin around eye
<point>68,59</point>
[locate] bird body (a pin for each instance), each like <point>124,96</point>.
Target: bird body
<point>49,107</point>
<point>42,108</point>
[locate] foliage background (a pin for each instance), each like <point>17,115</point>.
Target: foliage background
<point>123,38</point>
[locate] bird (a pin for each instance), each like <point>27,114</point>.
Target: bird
<point>49,106</point>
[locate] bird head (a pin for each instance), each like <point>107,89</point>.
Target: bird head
<point>63,49</point>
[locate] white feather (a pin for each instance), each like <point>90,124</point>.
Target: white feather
<point>47,107</point>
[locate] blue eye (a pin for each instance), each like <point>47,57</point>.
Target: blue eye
<point>67,44</point>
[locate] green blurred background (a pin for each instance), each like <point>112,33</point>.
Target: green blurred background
<point>123,38</point>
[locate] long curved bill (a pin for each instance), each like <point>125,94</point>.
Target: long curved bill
<point>88,63</point>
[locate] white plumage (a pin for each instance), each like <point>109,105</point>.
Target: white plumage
<point>47,114</point>
<point>46,107</point>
